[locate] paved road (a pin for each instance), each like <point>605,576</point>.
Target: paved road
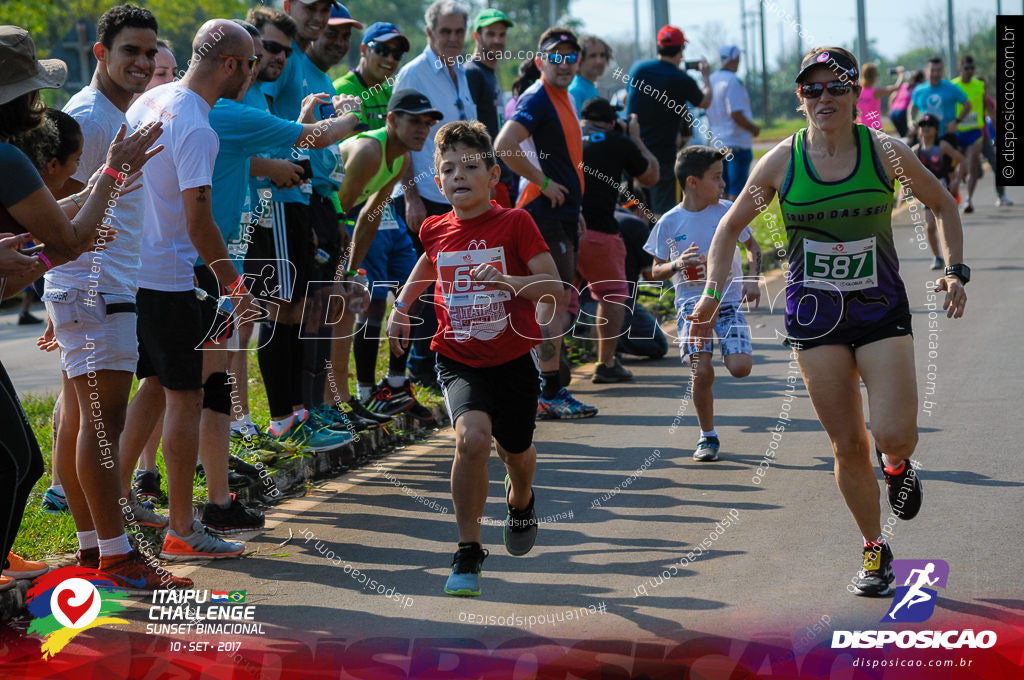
<point>782,566</point>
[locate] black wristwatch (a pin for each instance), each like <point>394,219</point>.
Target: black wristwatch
<point>960,271</point>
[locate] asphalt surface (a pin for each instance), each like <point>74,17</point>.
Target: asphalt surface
<point>783,562</point>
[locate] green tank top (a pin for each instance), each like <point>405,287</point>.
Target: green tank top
<point>975,91</point>
<point>844,272</point>
<point>384,173</point>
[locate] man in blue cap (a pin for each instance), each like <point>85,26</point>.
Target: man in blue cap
<point>381,52</point>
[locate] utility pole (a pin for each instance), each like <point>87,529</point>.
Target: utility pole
<point>636,30</point>
<point>553,13</point>
<point>764,70</point>
<point>951,37</point>
<point>799,40</point>
<point>659,13</point>
<point>862,33</point>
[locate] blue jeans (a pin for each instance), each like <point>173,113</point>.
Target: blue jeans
<point>735,172</point>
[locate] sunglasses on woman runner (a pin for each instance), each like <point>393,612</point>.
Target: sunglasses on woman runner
<point>556,58</point>
<point>383,50</point>
<point>276,48</point>
<point>836,88</point>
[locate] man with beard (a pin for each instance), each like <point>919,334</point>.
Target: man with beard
<point>178,226</point>
<point>96,332</point>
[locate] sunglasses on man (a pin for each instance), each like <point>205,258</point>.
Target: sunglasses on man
<point>556,58</point>
<point>277,48</point>
<point>383,50</point>
<point>251,61</point>
<point>836,88</point>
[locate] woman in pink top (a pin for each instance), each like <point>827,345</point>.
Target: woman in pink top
<point>869,105</point>
<point>900,102</point>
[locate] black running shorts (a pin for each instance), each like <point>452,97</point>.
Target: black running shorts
<point>887,329</point>
<point>170,328</point>
<point>507,393</point>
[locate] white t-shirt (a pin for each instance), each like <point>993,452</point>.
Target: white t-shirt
<point>674,233</point>
<point>729,95</point>
<point>116,269</point>
<point>168,256</point>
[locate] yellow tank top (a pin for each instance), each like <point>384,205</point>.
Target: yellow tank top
<point>975,91</point>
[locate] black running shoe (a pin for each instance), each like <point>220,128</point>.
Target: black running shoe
<point>904,489</point>
<point>417,410</point>
<point>520,531</point>
<point>875,579</point>
<point>147,484</point>
<point>358,409</point>
<point>355,421</point>
<point>387,400</point>
<point>467,567</point>
<point>234,519</point>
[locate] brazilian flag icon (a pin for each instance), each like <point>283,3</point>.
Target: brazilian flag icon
<point>237,596</point>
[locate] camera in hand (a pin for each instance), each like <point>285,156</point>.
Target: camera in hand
<point>307,168</point>
<point>894,70</point>
<point>692,65</point>
<point>327,111</point>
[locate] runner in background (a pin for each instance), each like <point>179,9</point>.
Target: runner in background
<point>900,101</point>
<point>971,129</point>
<point>939,156</point>
<point>988,150</point>
<point>680,242</point>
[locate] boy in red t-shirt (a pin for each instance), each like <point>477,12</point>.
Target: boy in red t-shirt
<point>493,266</point>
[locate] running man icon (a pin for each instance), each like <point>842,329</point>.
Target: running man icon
<point>916,576</point>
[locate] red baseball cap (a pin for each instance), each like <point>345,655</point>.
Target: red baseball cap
<point>670,36</point>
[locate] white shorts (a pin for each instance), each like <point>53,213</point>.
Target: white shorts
<point>730,327</point>
<point>90,338</point>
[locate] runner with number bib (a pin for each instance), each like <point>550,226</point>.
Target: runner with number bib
<point>847,315</point>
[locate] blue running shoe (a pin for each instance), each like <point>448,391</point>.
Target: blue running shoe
<point>467,566</point>
<point>54,503</point>
<point>563,406</point>
<point>301,435</point>
<point>707,449</point>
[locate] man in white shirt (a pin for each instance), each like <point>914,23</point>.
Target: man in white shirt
<point>91,304</point>
<point>731,121</point>
<point>439,75</point>
<point>178,226</point>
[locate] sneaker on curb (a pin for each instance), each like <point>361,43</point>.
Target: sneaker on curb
<point>937,263</point>
<point>614,373</point>
<point>520,530</point>
<point>302,435</point>
<point>324,416</point>
<point>907,483</point>
<point>707,449</point>
<point>360,410</point>
<point>53,502</point>
<point>876,577</point>
<point>563,406</point>
<point>234,519</point>
<point>387,400</point>
<point>146,484</point>
<point>88,557</point>
<point>131,573</point>
<point>351,421</point>
<point>17,567</point>
<point>143,514</point>
<point>416,410</point>
<point>6,583</point>
<point>255,441</point>
<point>199,545</point>
<point>467,567</point>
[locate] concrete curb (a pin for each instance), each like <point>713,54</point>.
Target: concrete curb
<point>289,476</point>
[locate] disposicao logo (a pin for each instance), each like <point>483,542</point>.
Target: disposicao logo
<point>69,601</point>
<point>914,602</point>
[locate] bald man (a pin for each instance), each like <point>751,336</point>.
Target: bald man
<point>178,226</point>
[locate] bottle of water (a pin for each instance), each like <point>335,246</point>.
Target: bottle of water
<point>224,304</point>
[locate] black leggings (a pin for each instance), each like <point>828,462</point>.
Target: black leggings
<point>21,463</point>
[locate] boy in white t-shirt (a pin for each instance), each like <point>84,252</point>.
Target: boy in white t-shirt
<point>680,242</point>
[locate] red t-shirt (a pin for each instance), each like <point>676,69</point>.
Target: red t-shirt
<point>479,325</point>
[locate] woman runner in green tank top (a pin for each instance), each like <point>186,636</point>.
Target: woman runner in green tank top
<point>835,184</point>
